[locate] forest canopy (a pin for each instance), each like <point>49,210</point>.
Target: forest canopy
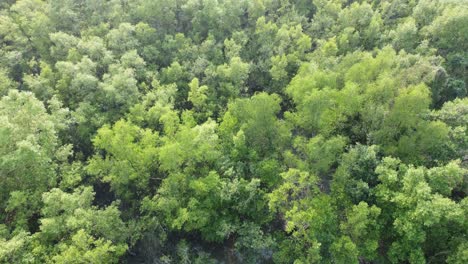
<point>234,131</point>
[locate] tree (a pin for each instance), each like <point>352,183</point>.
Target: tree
<point>30,153</point>
<point>355,177</point>
<point>233,131</point>
<point>421,210</point>
<point>309,218</point>
<point>79,227</point>
<point>361,232</point>
<point>256,118</point>
<point>198,97</point>
<point>129,159</point>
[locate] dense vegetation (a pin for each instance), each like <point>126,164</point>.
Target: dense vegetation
<point>233,131</point>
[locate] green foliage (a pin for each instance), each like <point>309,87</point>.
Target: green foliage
<point>233,131</point>
<point>129,158</point>
<point>363,229</point>
<point>65,217</point>
<point>64,213</point>
<point>256,118</point>
<point>14,249</point>
<point>421,209</point>
<point>86,249</point>
<point>30,152</point>
<point>355,177</point>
